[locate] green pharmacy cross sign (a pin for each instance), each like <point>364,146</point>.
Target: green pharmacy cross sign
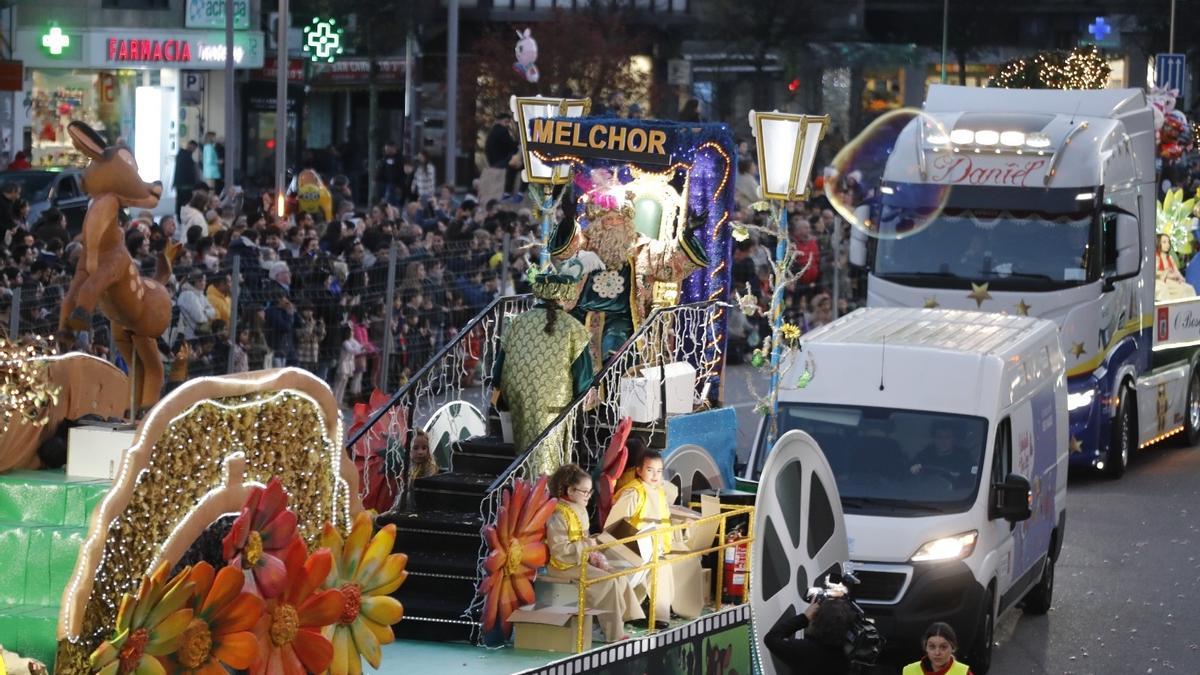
<point>323,40</point>
<point>55,40</point>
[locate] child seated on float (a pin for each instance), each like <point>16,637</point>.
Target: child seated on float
<point>567,537</point>
<point>646,503</point>
<point>421,464</point>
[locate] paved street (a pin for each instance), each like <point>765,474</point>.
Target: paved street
<point>1128,590</point>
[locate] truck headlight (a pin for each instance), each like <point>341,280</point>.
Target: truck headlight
<point>947,548</point>
<point>1080,399</point>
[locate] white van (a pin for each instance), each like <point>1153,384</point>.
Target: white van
<point>946,432</point>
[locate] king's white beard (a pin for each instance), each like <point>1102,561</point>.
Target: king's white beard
<point>612,239</point>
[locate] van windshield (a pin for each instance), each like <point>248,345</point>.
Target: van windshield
<point>895,462</point>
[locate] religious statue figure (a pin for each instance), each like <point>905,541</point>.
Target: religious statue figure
<point>621,295</point>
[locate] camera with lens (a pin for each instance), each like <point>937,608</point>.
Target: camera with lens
<point>863,644</point>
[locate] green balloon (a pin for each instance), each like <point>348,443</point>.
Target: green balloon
<point>647,216</point>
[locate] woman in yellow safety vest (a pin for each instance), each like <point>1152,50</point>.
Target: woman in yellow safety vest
<point>939,644</point>
<point>567,537</point>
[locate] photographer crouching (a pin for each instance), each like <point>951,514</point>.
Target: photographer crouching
<point>838,638</point>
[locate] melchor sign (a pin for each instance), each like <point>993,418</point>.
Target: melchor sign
<point>550,137</point>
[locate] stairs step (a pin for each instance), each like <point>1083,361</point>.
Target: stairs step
<point>486,445</point>
<point>451,629</point>
<point>29,630</point>
<point>452,491</point>
<point>434,520</point>
<point>48,498</point>
<point>478,462</point>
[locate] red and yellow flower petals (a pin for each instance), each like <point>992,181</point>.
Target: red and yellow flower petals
<point>270,575</point>
<point>537,522</point>
<point>322,609</point>
<point>382,632</point>
<point>239,615</point>
<point>313,650</point>
<point>366,643</point>
<point>345,656</point>
<point>508,602</point>
<point>239,531</point>
<point>377,552</point>
<point>237,650</point>
<point>109,651</point>
<point>387,578</point>
<point>315,572</point>
<point>175,599</point>
<point>495,561</point>
<point>150,666</point>
<point>219,591</point>
<point>491,604</point>
<point>164,637</point>
<point>356,544</point>
<point>535,555</point>
<point>202,576</point>
<point>493,539</point>
<point>110,669</point>
<point>382,609</point>
<point>523,589</point>
<point>331,539</point>
<point>288,662</point>
<point>272,500</point>
<point>279,531</point>
<point>124,613</point>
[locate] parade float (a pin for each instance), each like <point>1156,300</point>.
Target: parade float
<point>223,526</point>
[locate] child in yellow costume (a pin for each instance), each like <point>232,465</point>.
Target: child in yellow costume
<point>567,536</point>
<point>646,502</point>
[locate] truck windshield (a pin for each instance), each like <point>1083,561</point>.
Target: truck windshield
<point>894,462</point>
<point>1012,250</point>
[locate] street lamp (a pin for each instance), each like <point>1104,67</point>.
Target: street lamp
<point>787,150</point>
<point>537,172</point>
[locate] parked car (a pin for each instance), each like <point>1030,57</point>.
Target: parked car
<point>44,188</point>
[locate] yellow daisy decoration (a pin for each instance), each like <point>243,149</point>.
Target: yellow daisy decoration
<point>790,332</point>
<point>365,571</point>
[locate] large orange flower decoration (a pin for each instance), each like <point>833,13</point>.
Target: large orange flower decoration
<point>259,535</point>
<point>289,633</point>
<point>518,549</point>
<point>220,633</point>
<point>615,459</point>
<point>365,572</point>
<point>149,627</point>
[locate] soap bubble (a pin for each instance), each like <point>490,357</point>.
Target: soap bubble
<point>904,203</point>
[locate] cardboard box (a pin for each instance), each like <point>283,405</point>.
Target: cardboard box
<point>641,396</point>
<point>97,451</point>
<point>551,629</point>
<point>681,385</point>
<point>552,591</point>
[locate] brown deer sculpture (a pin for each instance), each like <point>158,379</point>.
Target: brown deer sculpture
<point>107,276</point>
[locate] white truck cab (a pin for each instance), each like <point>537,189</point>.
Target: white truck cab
<point>947,435</point>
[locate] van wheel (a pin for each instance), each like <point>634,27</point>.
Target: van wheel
<point>981,649</point>
<point>1124,436</point>
<point>1191,414</point>
<point>1039,597</point>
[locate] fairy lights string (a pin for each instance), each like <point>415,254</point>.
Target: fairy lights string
<point>1079,68</point>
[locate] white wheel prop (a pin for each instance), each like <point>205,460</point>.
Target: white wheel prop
<point>691,464</point>
<point>453,422</point>
<point>799,535</point>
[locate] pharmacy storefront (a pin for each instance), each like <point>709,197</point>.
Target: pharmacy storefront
<point>126,84</point>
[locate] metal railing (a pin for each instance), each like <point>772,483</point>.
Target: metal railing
<point>442,378</point>
<point>657,561</point>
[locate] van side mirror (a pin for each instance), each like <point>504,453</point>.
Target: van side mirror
<point>1011,499</point>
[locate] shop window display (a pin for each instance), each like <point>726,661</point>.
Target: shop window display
<point>102,99</point>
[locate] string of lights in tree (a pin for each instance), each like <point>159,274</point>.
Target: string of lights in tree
<point>1079,68</point>
<point>25,388</point>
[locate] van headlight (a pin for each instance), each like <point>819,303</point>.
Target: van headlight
<point>947,548</point>
<point>1080,399</point>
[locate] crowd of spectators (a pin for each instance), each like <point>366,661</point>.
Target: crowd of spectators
<point>310,293</point>
<point>314,294</point>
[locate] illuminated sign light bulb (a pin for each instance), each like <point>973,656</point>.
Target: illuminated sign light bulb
<point>323,40</point>
<point>55,40</point>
